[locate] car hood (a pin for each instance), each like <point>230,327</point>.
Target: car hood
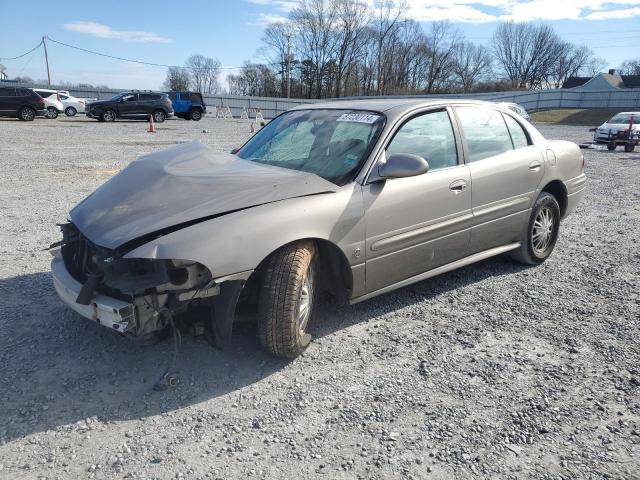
<point>617,126</point>
<point>180,186</point>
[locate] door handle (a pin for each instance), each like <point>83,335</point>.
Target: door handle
<point>458,186</point>
<point>535,166</point>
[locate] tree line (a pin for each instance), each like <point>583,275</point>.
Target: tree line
<point>347,48</point>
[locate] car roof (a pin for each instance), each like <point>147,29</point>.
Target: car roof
<point>388,104</point>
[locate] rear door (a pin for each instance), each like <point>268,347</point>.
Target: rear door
<point>506,170</point>
<point>418,223</point>
<point>8,100</point>
<point>148,102</point>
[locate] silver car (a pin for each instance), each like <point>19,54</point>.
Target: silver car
<point>354,198</point>
<point>617,129</point>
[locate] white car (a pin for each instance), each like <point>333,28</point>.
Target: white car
<point>52,102</point>
<point>71,104</point>
<point>615,131</point>
<point>514,107</point>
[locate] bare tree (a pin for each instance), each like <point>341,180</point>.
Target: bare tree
<point>177,79</point>
<point>349,36</point>
<point>471,65</point>
<point>630,67</point>
<point>526,52</point>
<point>442,42</point>
<point>204,73</point>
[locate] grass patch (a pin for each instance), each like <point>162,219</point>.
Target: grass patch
<point>575,116</point>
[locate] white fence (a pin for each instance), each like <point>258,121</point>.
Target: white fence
<point>628,98</point>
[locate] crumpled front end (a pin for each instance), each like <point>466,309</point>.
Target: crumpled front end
<point>134,296</point>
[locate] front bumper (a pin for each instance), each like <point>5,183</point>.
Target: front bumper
<point>106,311</point>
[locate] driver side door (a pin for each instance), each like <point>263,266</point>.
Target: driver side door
<point>418,223</point>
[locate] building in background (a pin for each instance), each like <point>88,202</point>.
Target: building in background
<point>603,81</point>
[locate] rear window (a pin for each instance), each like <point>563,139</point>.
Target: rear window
<point>196,97</point>
<point>7,92</point>
<point>485,132</point>
<point>146,97</point>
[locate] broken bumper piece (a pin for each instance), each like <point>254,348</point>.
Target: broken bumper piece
<point>109,312</point>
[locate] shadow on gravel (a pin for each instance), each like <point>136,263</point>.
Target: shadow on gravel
<point>58,369</point>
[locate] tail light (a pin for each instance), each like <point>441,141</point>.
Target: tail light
<point>57,96</point>
<point>81,102</point>
<point>41,101</point>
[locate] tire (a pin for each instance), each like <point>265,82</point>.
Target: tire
<point>287,300</point>
<point>195,114</point>
<point>629,147</point>
<point>108,116</point>
<point>542,231</point>
<point>26,114</point>
<point>159,116</point>
<point>611,146</point>
<point>52,113</point>
<point>70,111</point>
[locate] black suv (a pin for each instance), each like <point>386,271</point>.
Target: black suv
<point>20,102</point>
<point>132,105</point>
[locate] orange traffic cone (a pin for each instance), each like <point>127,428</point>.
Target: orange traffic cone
<point>152,126</point>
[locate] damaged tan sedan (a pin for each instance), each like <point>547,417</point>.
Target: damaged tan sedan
<point>354,198</point>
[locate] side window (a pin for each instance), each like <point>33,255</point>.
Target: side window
<point>172,96</point>
<point>7,92</point>
<point>430,136</point>
<point>145,97</point>
<point>43,94</point>
<point>63,97</point>
<point>130,98</point>
<point>485,132</point>
<point>518,136</point>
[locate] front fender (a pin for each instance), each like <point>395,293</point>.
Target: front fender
<point>240,241</point>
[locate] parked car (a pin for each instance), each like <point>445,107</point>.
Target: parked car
<point>514,107</point>
<point>188,105</point>
<point>132,105</point>
<point>20,102</point>
<point>617,129</point>
<point>72,105</point>
<point>356,198</point>
<point>52,101</point>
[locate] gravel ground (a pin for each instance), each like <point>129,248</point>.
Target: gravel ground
<point>493,371</point>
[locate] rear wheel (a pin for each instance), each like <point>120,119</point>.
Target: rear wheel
<point>52,113</point>
<point>159,116</point>
<point>108,116</point>
<point>195,114</point>
<point>27,114</point>
<point>287,300</point>
<point>70,112</point>
<point>542,231</point>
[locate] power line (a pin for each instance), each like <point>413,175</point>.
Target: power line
<point>24,54</point>
<point>141,62</point>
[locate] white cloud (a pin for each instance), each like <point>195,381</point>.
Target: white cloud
<point>266,19</point>
<point>100,30</point>
<point>476,11</point>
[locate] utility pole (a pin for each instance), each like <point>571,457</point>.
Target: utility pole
<point>46,58</point>
<point>288,35</point>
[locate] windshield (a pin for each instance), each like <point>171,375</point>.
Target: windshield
<point>115,97</point>
<point>330,143</point>
<point>625,118</point>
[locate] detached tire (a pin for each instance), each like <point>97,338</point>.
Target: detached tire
<point>542,231</point>
<point>287,300</point>
<point>611,146</point>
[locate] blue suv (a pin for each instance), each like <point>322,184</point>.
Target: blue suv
<point>188,105</point>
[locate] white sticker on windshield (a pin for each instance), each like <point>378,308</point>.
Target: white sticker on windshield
<point>358,117</point>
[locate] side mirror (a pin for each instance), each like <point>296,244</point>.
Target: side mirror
<point>400,165</point>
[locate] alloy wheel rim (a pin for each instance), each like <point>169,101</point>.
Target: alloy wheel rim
<point>109,116</point>
<point>159,117</point>
<point>543,226</point>
<point>305,301</point>
<point>27,114</point>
